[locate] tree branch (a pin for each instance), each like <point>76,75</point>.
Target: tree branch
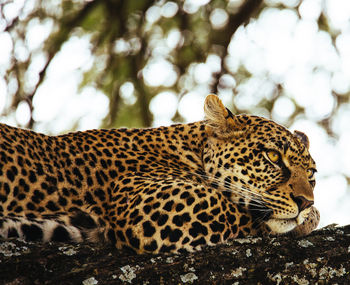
<point>321,257</point>
<point>245,12</point>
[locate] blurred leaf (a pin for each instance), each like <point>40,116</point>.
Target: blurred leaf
<point>92,22</point>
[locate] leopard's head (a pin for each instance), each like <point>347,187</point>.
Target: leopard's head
<point>260,165</point>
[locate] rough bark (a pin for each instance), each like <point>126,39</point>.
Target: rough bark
<point>322,258</point>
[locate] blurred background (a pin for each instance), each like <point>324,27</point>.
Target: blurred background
<point>73,65</point>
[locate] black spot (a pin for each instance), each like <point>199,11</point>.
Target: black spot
<point>190,201</point>
<point>113,174</point>
<point>52,206</point>
<point>121,223</point>
<point>99,178</point>
<point>217,227</point>
<point>31,216</point>
<point>204,205</point>
<point>177,220</point>
<point>184,195</point>
<point>18,209</point>
<point>182,250</point>
<point>168,206</point>
<point>89,199</point>
<point>147,209</point>
<point>32,232</point>
<point>78,202</point>
<point>244,220</point>
<point>30,206</point>
<point>230,218</point>
<point>162,220</point>
<point>190,157</point>
<point>90,181</point>
<point>185,240</point>
<point>156,205</point>
<point>213,201</point>
<point>134,213</point>
<point>179,207</point>
<point>215,238</point>
<point>82,220</point>
<point>60,234</point>
<point>100,194</point>
<point>79,161</point>
<point>120,166</point>
<point>10,175</point>
<point>38,196</point>
<point>222,218</point>
<point>227,234</point>
<point>175,235</point>
<point>136,202</point>
<point>164,233</point>
<point>7,188</point>
<point>197,229</point>
<point>165,196</point>
<point>121,236</point>
<point>215,211</point>
<point>166,248</point>
<point>197,242</point>
<point>134,241</point>
<point>196,208</point>
<point>111,236</point>
<point>126,181</point>
<point>3,198</point>
<point>11,206</point>
<point>152,246</point>
<point>148,200</point>
<point>148,229</point>
<point>137,220</point>
<point>175,192</point>
<point>103,163</point>
<point>62,201</point>
<point>234,229</point>
<point>77,173</point>
<point>203,217</point>
<point>12,233</point>
<point>186,217</point>
<point>32,176</point>
<point>20,197</point>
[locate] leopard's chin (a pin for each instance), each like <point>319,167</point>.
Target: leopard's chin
<point>282,226</point>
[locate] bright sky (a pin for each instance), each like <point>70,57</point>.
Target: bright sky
<point>293,53</point>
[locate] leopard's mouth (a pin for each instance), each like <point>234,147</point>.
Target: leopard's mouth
<point>276,225</point>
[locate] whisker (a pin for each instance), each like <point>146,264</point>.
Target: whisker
<point>233,188</point>
<point>229,187</point>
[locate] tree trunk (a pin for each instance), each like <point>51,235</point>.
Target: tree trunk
<point>321,257</point>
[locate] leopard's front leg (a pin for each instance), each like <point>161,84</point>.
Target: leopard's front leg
<point>310,223</point>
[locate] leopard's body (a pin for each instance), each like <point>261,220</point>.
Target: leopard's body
<point>161,189</point>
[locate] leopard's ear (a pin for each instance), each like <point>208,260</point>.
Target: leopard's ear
<point>219,120</point>
<point>302,138</point>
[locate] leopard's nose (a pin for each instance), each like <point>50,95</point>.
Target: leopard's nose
<point>302,202</point>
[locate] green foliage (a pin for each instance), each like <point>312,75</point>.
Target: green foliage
<point>127,37</point>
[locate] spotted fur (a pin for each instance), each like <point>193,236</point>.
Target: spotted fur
<point>167,189</point>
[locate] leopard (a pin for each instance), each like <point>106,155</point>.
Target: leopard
<point>168,189</point>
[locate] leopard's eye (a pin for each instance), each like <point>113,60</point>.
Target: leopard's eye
<point>310,172</point>
<point>273,155</point>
